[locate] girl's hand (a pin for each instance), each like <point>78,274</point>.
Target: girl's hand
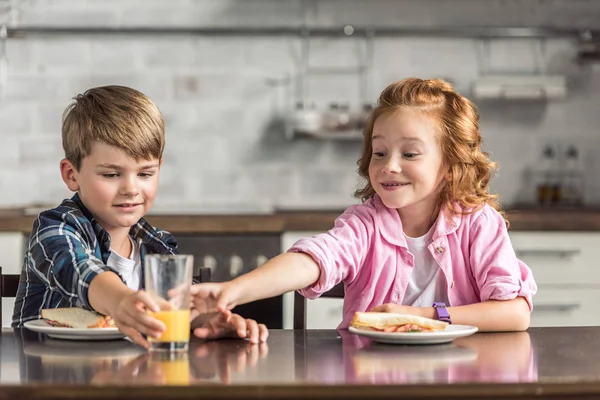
<point>226,324</point>
<point>213,297</point>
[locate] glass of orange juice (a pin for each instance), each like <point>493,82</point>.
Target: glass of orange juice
<point>167,280</point>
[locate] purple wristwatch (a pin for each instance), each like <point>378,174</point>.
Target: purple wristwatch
<point>442,312</point>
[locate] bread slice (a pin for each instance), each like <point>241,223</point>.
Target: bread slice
<point>74,317</point>
<point>386,321</point>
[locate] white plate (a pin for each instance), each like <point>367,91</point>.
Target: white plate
<point>41,326</point>
<point>452,332</point>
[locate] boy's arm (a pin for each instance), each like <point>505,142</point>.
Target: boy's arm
<point>110,296</point>
<point>65,261</point>
<point>62,259</point>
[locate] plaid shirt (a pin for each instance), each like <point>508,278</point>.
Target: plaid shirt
<point>67,249</point>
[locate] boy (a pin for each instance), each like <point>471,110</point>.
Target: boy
<point>88,252</point>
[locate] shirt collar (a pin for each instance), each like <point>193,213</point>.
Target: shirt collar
<point>141,230</point>
<point>390,224</point>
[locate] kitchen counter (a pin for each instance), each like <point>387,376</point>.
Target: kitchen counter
<point>542,363</point>
<point>572,220</point>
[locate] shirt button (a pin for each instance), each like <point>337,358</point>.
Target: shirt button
<point>439,249</point>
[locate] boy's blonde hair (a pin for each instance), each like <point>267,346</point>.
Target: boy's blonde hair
<point>118,116</point>
<point>470,168</point>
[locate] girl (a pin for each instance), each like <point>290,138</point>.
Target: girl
<point>428,238</point>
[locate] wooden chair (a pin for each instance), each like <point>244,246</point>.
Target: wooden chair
<point>201,274</point>
<point>300,304</point>
<point>8,287</point>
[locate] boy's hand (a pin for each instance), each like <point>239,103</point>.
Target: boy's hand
<point>226,324</point>
<point>211,297</point>
<point>132,319</point>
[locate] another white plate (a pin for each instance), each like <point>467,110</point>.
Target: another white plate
<point>41,326</point>
<point>452,332</point>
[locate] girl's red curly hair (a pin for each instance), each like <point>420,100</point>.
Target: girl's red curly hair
<point>465,188</point>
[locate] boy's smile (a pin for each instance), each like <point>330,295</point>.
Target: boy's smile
<point>117,189</point>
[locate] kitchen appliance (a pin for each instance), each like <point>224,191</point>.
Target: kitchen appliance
<point>520,87</point>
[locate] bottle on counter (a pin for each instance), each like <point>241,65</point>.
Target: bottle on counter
<point>572,182</point>
<point>331,118</point>
<point>359,119</point>
<point>549,184</point>
<point>306,119</point>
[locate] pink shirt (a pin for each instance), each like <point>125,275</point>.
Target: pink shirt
<point>367,251</point>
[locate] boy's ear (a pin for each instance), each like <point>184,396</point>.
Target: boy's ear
<point>67,171</point>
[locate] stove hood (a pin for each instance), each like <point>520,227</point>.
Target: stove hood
<point>520,87</point>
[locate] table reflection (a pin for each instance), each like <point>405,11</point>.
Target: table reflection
<point>485,357</point>
<point>320,357</point>
<point>121,362</point>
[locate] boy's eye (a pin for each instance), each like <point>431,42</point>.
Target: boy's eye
<point>145,174</point>
<point>110,175</point>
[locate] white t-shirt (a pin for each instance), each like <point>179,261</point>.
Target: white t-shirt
<point>129,268</point>
<point>427,283</point>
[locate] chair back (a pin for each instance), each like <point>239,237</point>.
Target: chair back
<point>300,304</point>
<point>8,287</point>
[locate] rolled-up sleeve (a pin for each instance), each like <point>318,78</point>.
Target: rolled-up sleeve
<point>339,252</point>
<point>499,274</point>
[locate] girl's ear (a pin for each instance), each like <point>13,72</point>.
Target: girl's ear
<point>449,175</point>
<point>69,175</point>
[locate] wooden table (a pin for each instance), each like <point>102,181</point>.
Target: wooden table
<point>557,363</point>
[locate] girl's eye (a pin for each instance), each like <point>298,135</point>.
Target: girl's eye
<point>379,154</point>
<point>110,176</point>
<point>410,155</point>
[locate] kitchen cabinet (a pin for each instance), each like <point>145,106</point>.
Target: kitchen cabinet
<point>564,265</point>
<point>12,247</point>
<point>229,256</point>
<point>566,270</point>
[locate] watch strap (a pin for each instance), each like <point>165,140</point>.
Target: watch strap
<point>442,312</point>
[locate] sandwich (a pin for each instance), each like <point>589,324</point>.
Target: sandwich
<point>389,322</point>
<point>76,318</point>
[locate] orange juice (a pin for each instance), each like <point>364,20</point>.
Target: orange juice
<point>177,323</point>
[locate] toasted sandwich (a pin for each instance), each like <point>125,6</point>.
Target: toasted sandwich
<point>76,318</point>
<point>388,322</point>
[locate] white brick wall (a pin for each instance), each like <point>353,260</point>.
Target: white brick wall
<point>225,146</point>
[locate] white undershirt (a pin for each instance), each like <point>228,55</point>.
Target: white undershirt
<point>427,284</point>
<point>129,268</point>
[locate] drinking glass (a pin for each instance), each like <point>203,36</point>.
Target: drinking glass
<point>167,280</point>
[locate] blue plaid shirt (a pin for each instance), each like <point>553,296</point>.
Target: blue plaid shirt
<point>67,249</point>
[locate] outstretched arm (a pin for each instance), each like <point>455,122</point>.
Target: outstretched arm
<point>284,273</point>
